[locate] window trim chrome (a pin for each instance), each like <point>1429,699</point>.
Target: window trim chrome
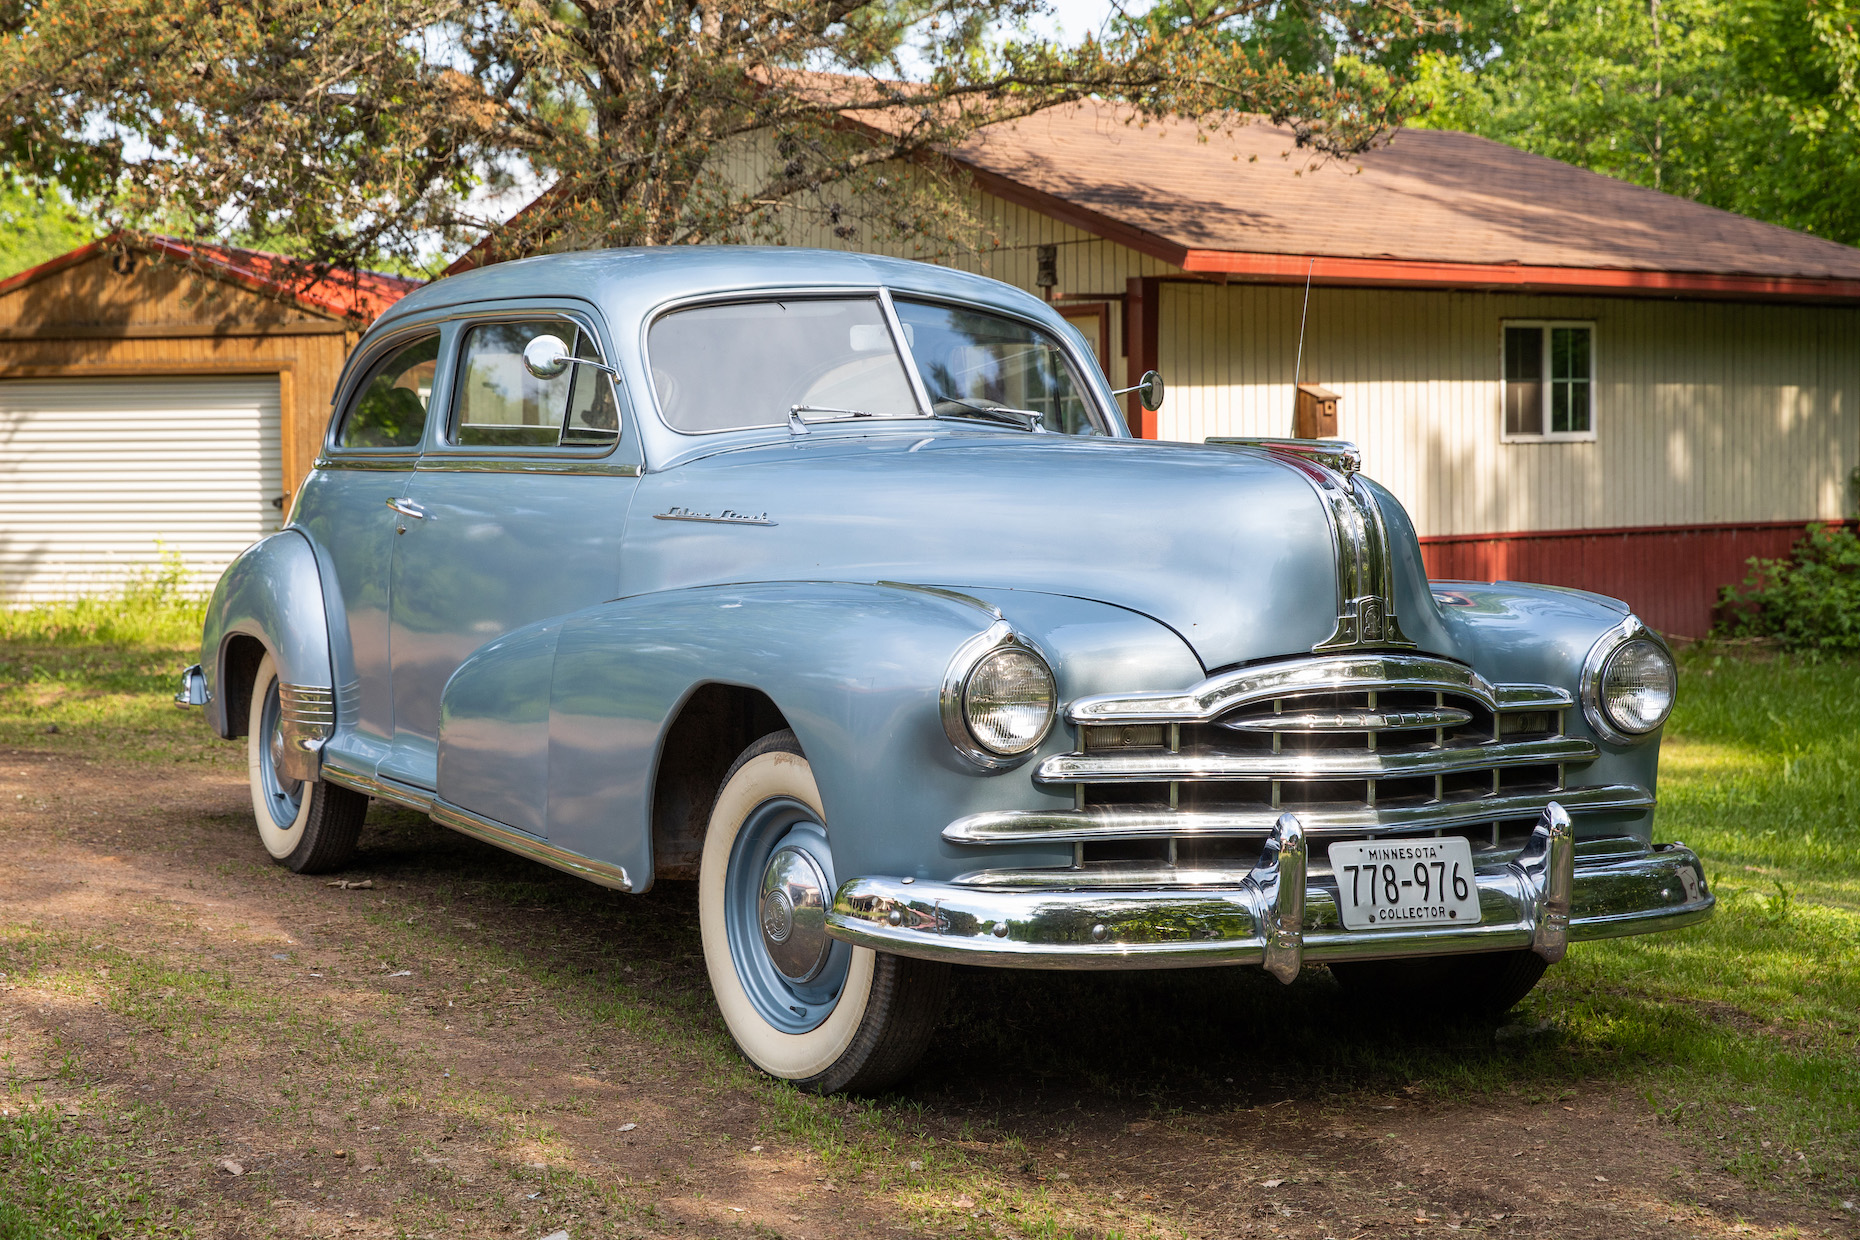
<point>884,294</point>
<point>488,457</point>
<point>335,455</point>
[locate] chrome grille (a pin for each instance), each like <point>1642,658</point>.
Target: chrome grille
<point>1183,788</point>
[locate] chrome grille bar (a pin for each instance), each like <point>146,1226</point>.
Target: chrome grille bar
<point>1119,822</point>
<point>1111,768</point>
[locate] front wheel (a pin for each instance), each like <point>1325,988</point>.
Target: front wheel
<point>309,826</point>
<point>800,1005</point>
<point>1487,984</point>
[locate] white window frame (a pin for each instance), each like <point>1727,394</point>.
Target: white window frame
<point>1544,325</point>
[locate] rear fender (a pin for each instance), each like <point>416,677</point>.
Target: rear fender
<point>272,595</point>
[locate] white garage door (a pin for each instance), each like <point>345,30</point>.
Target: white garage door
<point>99,476</point>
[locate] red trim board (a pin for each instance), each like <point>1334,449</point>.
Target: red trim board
<point>1670,575</point>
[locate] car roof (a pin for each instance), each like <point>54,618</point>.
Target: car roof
<point>636,280</point>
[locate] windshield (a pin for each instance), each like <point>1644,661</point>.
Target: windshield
<point>973,360</point>
<point>721,368</point>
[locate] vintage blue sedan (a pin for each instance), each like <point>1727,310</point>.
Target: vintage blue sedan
<point>837,584</point>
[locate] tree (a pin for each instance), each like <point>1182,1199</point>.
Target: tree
<point>36,225</point>
<point>1748,105</point>
<point>355,131</point>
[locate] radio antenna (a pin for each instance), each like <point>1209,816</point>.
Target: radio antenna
<point>1298,367</point>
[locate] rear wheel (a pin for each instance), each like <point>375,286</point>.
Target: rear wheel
<point>1486,985</point>
<point>801,1006</point>
<point>307,825</point>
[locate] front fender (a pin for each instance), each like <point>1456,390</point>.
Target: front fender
<point>856,670</point>
<point>1530,634</point>
<point>274,594</point>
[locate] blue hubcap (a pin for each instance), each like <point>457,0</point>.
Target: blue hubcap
<point>777,891</point>
<point>283,796</point>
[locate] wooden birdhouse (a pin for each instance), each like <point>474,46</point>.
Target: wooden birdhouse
<point>1316,415</point>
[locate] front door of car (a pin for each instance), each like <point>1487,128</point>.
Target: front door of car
<point>514,516</point>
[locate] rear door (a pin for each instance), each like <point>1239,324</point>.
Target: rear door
<point>521,502</point>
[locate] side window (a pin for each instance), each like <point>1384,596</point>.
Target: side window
<point>389,410</point>
<point>502,405</point>
<point>1549,381</point>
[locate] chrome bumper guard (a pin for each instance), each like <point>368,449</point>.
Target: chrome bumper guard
<point>1274,918</point>
<point>193,690</point>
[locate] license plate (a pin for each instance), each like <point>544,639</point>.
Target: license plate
<point>1388,883</point>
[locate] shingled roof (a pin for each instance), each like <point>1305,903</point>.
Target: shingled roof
<point>1432,207</point>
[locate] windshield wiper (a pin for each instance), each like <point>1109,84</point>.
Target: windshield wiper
<point>797,424</point>
<point>1025,419</point>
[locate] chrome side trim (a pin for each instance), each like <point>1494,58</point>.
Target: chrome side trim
<point>1322,674</point>
<point>525,845</point>
<point>500,465</point>
<point>306,718</point>
<point>193,690</point>
<point>1120,768</point>
<point>1662,890</point>
<point>1121,823</point>
<point>406,461</point>
<point>375,786</point>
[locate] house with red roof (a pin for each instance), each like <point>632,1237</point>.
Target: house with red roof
<point>158,396</point>
<point>1566,378</point>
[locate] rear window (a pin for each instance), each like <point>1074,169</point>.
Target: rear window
<point>389,410</point>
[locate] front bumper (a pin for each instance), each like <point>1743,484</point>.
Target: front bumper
<point>1276,917</point>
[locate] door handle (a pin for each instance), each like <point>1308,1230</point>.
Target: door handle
<point>407,508</point>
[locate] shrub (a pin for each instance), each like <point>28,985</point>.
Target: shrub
<point>156,607</point>
<point>1810,601</point>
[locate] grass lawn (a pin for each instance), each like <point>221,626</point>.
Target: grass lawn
<point>1743,1035</point>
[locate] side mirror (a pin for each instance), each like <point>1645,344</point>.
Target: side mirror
<point>546,357</point>
<point>1150,390</point>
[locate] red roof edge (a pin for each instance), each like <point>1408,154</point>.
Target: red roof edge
<point>52,266</point>
<point>1516,277</point>
<point>343,294</point>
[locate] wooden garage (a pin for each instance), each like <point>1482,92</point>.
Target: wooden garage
<point>156,396</point>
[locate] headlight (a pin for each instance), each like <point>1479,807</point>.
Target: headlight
<point>1629,684</point>
<point>998,698</point>
<point>1008,702</point>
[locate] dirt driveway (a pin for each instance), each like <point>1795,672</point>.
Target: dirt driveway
<point>460,1043</point>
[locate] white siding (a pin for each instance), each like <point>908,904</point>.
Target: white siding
<point>98,476</point>
<point>1705,412</point>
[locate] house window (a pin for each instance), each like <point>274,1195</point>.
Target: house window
<point>1549,380</point>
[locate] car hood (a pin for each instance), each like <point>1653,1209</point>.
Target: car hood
<point>1232,548</point>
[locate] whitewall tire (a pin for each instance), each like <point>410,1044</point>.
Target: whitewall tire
<point>310,826</point>
<point>801,1006</point>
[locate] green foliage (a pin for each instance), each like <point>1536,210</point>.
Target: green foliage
<point>36,226</point>
<point>1749,105</point>
<point>1810,601</point>
<point>58,1183</point>
<point>358,131</point>
<point>158,606</point>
